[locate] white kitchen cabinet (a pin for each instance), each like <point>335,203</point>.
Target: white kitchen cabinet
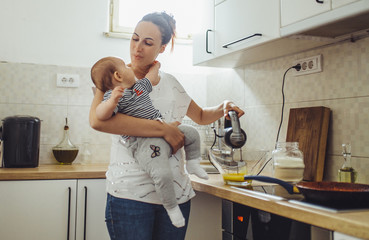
<point>334,19</point>
<point>234,25</point>
<point>340,3</point>
<point>241,24</point>
<point>203,38</point>
<point>52,209</point>
<point>296,10</point>
<point>205,218</point>
<point>90,217</point>
<point>341,236</point>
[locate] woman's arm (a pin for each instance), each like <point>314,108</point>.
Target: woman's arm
<point>204,116</point>
<point>126,125</point>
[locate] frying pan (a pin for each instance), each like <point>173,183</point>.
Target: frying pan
<point>335,194</point>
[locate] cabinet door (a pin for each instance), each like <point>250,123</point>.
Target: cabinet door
<point>41,210</point>
<point>341,236</point>
<point>340,3</point>
<point>241,21</point>
<point>91,210</point>
<point>295,10</point>
<point>203,37</point>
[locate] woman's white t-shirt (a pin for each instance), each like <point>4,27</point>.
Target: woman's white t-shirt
<point>125,178</point>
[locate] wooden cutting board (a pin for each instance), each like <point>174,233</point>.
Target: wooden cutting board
<point>309,127</point>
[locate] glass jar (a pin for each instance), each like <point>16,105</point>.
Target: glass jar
<point>65,152</point>
<point>288,162</point>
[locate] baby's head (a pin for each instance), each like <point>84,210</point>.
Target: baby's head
<point>110,72</point>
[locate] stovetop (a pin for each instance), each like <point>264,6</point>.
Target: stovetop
<point>279,193</point>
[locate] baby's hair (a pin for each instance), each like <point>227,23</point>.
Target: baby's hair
<point>102,73</point>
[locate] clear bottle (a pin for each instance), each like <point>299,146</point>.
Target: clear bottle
<point>65,152</point>
<point>288,162</point>
<point>346,173</point>
<point>85,152</point>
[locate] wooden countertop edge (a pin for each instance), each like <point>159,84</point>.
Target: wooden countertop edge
<point>351,223</point>
<point>52,172</point>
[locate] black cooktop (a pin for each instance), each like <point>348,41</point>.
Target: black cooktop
<point>280,192</point>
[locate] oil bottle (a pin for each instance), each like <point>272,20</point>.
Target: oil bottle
<point>65,152</point>
<point>346,173</point>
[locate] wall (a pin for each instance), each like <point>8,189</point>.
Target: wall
<point>41,38</point>
<point>67,33</point>
<point>343,86</point>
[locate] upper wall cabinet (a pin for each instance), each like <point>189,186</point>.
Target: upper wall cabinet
<point>234,25</point>
<point>203,39</point>
<point>240,24</point>
<point>240,32</point>
<point>296,10</point>
<point>340,3</point>
<point>324,18</point>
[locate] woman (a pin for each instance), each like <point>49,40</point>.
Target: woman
<point>133,209</point>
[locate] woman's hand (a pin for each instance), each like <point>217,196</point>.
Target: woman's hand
<point>230,106</point>
<point>173,136</point>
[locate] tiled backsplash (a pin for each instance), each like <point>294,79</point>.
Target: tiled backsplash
<point>343,86</point>
<point>29,89</point>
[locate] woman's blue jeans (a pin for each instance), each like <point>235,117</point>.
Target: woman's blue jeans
<point>134,220</point>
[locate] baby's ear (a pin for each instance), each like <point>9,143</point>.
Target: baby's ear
<point>117,76</point>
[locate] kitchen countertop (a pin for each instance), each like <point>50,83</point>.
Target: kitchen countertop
<point>44,172</point>
<point>354,223</point>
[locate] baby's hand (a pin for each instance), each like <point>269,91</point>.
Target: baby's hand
<point>153,74</point>
<point>155,67</point>
<point>117,93</point>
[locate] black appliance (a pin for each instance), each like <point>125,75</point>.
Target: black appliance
<point>21,141</point>
<point>240,222</point>
<point>235,220</point>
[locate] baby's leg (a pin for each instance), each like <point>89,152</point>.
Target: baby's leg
<point>152,155</point>
<point>192,149</point>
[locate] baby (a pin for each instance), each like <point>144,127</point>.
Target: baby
<point>125,95</point>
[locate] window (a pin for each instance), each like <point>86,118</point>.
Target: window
<point>126,13</point>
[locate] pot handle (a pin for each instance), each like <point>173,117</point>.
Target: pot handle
<point>289,187</point>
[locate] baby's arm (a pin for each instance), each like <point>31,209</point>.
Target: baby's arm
<point>105,110</point>
<point>153,74</point>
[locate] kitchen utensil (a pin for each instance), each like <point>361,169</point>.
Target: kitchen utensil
<point>65,152</point>
<point>338,194</point>
<point>230,162</point>
<point>21,141</point>
<point>309,127</point>
<point>234,136</point>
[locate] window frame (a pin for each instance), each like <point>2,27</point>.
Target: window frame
<point>119,31</point>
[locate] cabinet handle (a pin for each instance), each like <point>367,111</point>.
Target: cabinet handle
<point>85,216</point>
<point>207,42</point>
<point>69,202</point>
<point>320,1</point>
<point>242,39</point>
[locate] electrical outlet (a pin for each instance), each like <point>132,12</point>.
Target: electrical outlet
<point>309,65</point>
<point>67,80</point>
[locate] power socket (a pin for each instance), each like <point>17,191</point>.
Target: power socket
<point>309,65</point>
<point>67,80</point>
